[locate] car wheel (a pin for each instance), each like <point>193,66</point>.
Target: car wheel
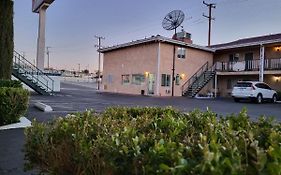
<point>274,98</point>
<point>236,99</point>
<point>259,99</point>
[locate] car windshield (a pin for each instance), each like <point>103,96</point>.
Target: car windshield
<point>243,84</point>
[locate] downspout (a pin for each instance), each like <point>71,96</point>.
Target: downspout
<point>158,69</point>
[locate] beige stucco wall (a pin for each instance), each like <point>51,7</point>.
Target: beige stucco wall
<point>144,58</point>
<point>131,60</point>
<point>194,60</point>
<point>272,53</point>
<point>274,81</point>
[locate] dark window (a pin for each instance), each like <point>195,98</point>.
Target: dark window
<point>262,86</point>
<point>125,79</point>
<point>177,79</point>
<point>138,79</point>
<point>243,85</point>
<point>165,80</point>
<point>233,57</point>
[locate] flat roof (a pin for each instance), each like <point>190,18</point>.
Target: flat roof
<point>156,38</point>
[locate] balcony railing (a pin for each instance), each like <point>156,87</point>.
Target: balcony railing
<point>250,65</point>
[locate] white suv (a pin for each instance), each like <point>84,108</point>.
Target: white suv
<point>253,90</point>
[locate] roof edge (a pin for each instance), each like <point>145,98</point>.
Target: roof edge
<point>157,38</point>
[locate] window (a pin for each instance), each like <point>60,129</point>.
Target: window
<point>125,79</point>
<point>177,79</point>
<point>181,53</point>
<point>262,86</point>
<point>166,80</point>
<point>233,57</point>
<point>138,79</point>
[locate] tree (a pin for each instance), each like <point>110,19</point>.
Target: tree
<point>86,71</point>
<point>6,38</point>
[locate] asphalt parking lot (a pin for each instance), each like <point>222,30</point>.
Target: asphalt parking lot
<point>75,98</point>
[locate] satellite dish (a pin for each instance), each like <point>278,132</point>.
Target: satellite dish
<point>173,20</point>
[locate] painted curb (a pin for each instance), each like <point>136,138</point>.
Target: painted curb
<point>43,107</point>
<point>24,123</point>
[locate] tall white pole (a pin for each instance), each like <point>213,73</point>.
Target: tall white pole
<point>261,70</point>
<point>158,69</point>
<point>41,39</point>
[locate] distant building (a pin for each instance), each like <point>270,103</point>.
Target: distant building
<point>145,66</point>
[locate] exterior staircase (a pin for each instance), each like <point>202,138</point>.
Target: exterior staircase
<point>198,81</point>
<point>32,76</point>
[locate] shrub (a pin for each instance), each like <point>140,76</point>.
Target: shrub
<point>154,141</point>
<point>10,83</point>
<point>13,104</point>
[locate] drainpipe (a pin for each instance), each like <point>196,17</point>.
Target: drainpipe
<point>158,69</point>
<point>261,69</point>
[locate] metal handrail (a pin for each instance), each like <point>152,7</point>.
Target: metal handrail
<point>30,69</point>
<point>192,78</point>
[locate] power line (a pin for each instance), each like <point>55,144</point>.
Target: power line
<point>210,6</point>
<point>99,47</point>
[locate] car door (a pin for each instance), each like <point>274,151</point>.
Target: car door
<point>269,91</point>
<point>264,89</point>
<point>261,89</point>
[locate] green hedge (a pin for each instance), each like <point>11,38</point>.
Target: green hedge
<point>13,104</point>
<point>10,83</point>
<point>154,141</point>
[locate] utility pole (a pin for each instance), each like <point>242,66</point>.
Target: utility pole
<point>48,54</point>
<point>79,67</point>
<point>210,6</point>
<point>99,47</point>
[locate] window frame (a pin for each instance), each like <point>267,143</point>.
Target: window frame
<point>122,79</point>
<point>142,78</point>
<point>181,52</point>
<point>165,80</point>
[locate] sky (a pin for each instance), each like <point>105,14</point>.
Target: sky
<point>71,25</point>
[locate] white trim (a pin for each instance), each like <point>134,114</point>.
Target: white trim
<point>158,69</point>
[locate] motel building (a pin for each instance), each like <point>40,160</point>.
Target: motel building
<point>146,66</point>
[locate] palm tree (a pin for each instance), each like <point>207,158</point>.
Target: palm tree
<point>6,38</point>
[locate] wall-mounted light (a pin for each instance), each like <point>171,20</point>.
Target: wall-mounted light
<point>146,74</point>
<point>277,79</point>
<point>182,76</point>
<point>277,48</point>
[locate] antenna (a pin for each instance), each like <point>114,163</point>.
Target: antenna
<point>171,22</point>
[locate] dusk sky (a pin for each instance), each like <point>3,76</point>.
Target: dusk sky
<point>72,25</point>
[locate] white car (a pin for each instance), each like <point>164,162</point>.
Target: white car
<point>253,90</point>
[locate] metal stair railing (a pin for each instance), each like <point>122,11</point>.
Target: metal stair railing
<point>32,73</point>
<point>194,77</point>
